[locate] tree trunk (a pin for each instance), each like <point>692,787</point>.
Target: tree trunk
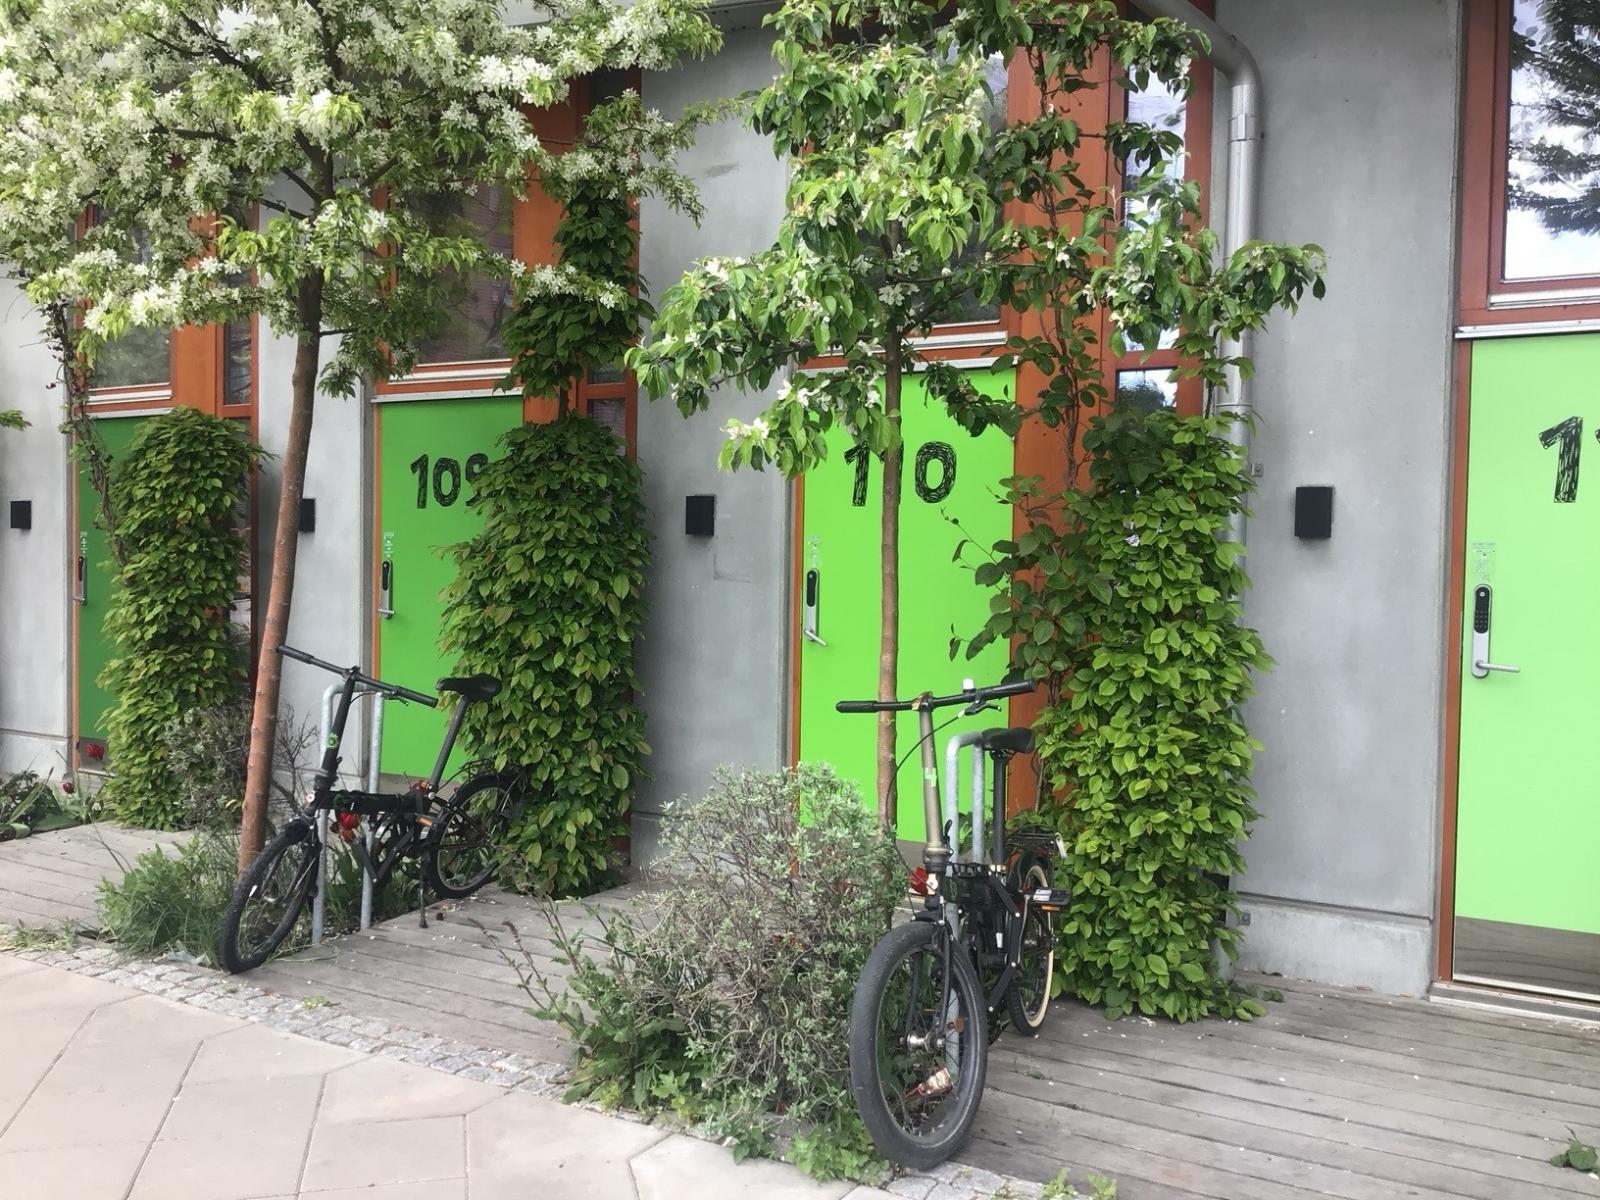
<point>889,630</point>
<point>280,592</point>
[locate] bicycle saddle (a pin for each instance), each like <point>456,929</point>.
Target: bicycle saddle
<point>1006,742</point>
<point>473,687</point>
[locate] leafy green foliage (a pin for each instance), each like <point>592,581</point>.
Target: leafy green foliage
<point>1125,600</point>
<point>1060,1188</point>
<point>1578,1155</point>
<point>179,492</point>
<point>11,418</point>
<point>29,803</point>
<point>549,597</point>
<point>722,996</point>
<point>169,903</point>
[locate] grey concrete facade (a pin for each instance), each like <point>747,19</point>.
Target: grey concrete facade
<point>1361,103</point>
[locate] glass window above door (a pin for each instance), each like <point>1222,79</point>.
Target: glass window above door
<point>1552,196</point>
<point>476,305</point>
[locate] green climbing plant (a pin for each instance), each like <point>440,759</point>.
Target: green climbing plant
<point>179,490</point>
<point>549,597</point>
<point>1125,598</point>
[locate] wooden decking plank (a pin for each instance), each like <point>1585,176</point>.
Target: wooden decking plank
<point>20,854</point>
<point>471,970</point>
<point>1271,1052</point>
<point>18,907</point>
<point>46,886</point>
<point>1426,1166</point>
<point>1022,1157</point>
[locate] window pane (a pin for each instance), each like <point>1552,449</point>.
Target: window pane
<point>476,306</point>
<point>138,358</point>
<point>1552,218</point>
<point>1146,391</point>
<point>236,339</point>
<point>1151,105</point>
<point>967,308</point>
<point>612,373</point>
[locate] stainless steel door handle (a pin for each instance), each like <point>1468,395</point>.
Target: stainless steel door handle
<point>1482,615</point>
<point>813,589</point>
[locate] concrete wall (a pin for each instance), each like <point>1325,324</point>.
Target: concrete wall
<point>715,648</point>
<point>1361,103</point>
<point>35,582</point>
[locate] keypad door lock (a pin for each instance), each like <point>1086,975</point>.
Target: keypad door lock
<point>812,602</point>
<point>1482,618</point>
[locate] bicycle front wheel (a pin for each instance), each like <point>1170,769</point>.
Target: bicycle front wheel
<point>465,840</point>
<point>919,1045</point>
<point>268,899</point>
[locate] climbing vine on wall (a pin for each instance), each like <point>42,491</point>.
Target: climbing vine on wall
<point>1125,598</point>
<point>179,491</point>
<point>549,598</point>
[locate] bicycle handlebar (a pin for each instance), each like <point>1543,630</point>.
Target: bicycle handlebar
<point>927,700</point>
<point>377,685</point>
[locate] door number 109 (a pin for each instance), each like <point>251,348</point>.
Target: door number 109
<point>446,478</point>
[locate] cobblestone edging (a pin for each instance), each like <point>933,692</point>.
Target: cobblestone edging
<point>326,1023</point>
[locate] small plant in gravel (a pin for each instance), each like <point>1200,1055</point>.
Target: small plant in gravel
<point>1060,1188</point>
<point>171,903</point>
<point>722,996</point>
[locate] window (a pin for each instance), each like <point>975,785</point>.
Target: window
<point>968,310</point>
<point>1552,208</point>
<point>140,357</point>
<point>476,305</point>
<point>1146,391</point>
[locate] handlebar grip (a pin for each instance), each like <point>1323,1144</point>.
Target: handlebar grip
<point>1017,687</point>
<point>416,697</point>
<point>856,706</point>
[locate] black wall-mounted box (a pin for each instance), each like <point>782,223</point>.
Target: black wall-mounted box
<point>1313,512</point>
<point>699,515</point>
<point>308,515</point>
<point>22,514</point>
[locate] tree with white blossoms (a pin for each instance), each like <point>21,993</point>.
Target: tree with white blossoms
<point>905,202</point>
<point>339,121</point>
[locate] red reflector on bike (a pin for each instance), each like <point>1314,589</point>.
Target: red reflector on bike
<point>919,881</point>
<point>349,820</point>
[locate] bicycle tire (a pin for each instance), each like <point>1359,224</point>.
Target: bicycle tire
<point>1027,1016</point>
<point>489,832</point>
<point>230,954</point>
<point>927,1147</point>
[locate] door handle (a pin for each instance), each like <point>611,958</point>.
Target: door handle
<point>1482,614</point>
<point>813,590</point>
<point>386,589</point>
<point>80,591</point>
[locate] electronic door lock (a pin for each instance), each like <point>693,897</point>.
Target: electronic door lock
<point>812,596</point>
<point>1482,614</point>
<point>80,591</point>
<point>386,589</point>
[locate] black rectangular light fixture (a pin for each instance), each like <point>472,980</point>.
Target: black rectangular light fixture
<point>308,515</point>
<point>22,514</point>
<point>1313,512</point>
<point>700,515</point>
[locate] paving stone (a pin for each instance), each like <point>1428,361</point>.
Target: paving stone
<point>380,1090</point>
<point>239,1166</point>
<point>284,1106</point>
<point>574,1154</point>
<point>681,1165</point>
<point>368,1153</point>
<point>252,1052</point>
<point>438,1189</point>
<point>68,1172</point>
<point>916,1187</point>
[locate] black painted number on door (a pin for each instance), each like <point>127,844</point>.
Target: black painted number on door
<point>446,478</point>
<point>928,490</point>
<point>1570,434</point>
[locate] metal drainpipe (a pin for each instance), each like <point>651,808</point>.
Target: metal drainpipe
<point>1230,57</point>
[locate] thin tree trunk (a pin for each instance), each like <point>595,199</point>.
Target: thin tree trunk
<point>889,631</point>
<point>280,592</point>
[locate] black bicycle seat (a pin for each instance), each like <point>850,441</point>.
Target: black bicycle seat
<point>1005,742</point>
<point>473,687</point>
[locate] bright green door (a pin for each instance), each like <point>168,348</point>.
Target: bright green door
<point>1527,902</point>
<point>93,577</point>
<point>430,454</point>
<point>948,475</point>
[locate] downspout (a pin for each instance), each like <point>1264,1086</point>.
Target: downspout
<point>1230,57</point>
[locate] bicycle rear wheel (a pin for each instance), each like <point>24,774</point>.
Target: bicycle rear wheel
<point>1028,997</point>
<point>918,1049</point>
<point>268,899</point>
<point>465,840</point>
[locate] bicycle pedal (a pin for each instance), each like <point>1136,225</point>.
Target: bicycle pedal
<point>1050,899</point>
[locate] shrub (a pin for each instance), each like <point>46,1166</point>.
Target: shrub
<point>29,803</point>
<point>1127,601</point>
<point>166,903</point>
<point>206,751</point>
<point>178,492</point>
<point>724,996</point>
<point>549,597</point>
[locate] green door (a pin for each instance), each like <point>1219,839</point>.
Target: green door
<point>93,577</point>
<point>430,453</point>
<point>1527,896</point>
<point>949,475</point>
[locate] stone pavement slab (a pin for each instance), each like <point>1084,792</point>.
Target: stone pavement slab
<point>684,1166</point>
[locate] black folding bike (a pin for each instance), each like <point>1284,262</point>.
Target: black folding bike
<point>936,989</point>
<point>455,836</point>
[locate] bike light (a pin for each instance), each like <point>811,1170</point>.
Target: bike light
<point>919,881</point>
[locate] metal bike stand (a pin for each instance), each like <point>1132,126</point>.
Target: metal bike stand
<point>952,792</point>
<point>374,746</point>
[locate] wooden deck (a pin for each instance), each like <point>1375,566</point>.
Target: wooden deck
<point>52,879</point>
<point>1333,1093</point>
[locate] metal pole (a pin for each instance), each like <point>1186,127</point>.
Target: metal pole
<point>319,901</point>
<point>374,750</point>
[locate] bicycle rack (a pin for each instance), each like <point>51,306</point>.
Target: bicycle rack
<point>952,794</point>
<point>374,748</point>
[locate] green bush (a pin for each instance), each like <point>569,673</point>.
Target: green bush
<point>549,597</point>
<point>1126,600</point>
<point>167,903</point>
<point>724,996</point>
<point>179,492</point>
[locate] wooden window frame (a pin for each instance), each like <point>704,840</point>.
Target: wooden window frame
<point>1488,298</point>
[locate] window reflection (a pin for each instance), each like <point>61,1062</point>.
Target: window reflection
<point>142,356</point>
<point>236,361</point>
<point>475,306</point>
<point>968,308</point>
<point>1146,391</point>
<point>1552,223</point>
<point>1155,106</point>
